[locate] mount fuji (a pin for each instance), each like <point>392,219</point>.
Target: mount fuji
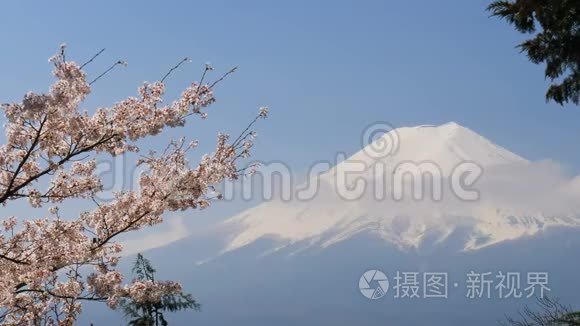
<point>299,261</point>
<point>507,207</point>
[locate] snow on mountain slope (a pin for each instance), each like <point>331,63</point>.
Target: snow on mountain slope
<point>516,197</point>
<point>446,145</point>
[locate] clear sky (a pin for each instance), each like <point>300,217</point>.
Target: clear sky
<point>326,69</point>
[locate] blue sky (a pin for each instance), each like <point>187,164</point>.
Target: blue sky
<point>327,69</point>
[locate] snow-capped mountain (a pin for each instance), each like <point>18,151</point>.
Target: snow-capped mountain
<point>299,262</point>
<point>514,197</point>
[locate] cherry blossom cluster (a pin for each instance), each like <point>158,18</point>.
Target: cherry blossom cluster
<point>50,264</point>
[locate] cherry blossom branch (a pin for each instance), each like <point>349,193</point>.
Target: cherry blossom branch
<point>16,261</point>
<point>23,161</point>
<point>10,191</point>
<point>48,137</point>
<point>56,295</point>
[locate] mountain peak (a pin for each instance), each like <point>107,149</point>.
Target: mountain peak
<point>327,218</point>
<point>451,124</point>
<point>446,145</point>
<point>445,130</point>
<point>448,125</point>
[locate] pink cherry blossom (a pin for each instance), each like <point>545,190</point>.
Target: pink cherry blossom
<point>50,265</point>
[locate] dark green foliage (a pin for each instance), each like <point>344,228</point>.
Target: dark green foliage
<point>151,313</point>
<point>557,43</point>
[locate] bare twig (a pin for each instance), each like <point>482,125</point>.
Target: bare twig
<point>242,135</point>
<point>174,67</point>
<point>93,58</point>
<point>106,71</point>
<point>231,71</point>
